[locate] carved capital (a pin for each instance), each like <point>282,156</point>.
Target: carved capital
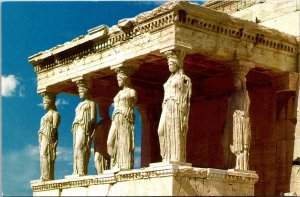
<point>127,65</point>
<point>175,56</point>
<point>127,71</point>
<point>78,78</point>
<point>82,82</point>
<point>240,67</point>
<point>42,90</point>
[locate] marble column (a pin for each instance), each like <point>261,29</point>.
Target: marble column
<point>237,130</point>
<point>101,157</point>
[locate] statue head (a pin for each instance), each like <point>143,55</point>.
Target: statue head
<point>175,60</point>
<point>49,100</point>
<point>83,89</point>
<point>240,82</point>
<point>123,76</point>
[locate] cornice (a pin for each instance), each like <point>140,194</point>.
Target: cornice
<point>181,14</point>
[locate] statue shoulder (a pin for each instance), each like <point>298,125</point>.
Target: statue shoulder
<point>132,92</point>
<point>92,103</point>
<point>56,114</point>
<point>185,77</point>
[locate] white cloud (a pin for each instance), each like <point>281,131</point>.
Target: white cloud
<point>137,157</point>
<point>22,166</point>
<point>9,85</point>
<point>137,149</point>
<point>21,91</point>
<point>59,102</point>
<point>19,168</point>
<point>64,154</point>
<point>137,162</point>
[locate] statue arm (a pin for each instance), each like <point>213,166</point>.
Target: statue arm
<point>133,94</point>
<point>93,113</point>
<point>56,122</point>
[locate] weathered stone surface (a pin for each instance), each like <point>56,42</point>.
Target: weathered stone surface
<point>211,39</point>
<point>54,192</point>
<point>163,180</point>
<point>201,29</point>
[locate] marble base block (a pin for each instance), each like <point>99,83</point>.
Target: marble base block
<point>161,179</point>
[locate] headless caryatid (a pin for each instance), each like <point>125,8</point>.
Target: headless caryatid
<point>48,137</point>
<point>120,142</point>
<point>101,157</point>
<point>173,124</point>
<point>237,131</point>
<point>83,128</point>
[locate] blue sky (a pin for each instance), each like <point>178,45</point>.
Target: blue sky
<point>27,28</point>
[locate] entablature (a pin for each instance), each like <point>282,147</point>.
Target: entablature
<point>175,23</point>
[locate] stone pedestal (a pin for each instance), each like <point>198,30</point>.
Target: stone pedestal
<point>158,179</point>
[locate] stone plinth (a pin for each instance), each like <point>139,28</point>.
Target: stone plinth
<point>168,179</point>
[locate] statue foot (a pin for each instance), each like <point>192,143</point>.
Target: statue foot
<point>45,179</point>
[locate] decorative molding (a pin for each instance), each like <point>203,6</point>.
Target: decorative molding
<point>171,13</point>
<point>147,173</point>
<point>195,21</point>
<point>112,41</point>
<point>231,6</point>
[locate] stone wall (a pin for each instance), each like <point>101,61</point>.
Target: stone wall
<point>282,15</point>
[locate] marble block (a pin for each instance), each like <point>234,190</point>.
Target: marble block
<point>158,179</point>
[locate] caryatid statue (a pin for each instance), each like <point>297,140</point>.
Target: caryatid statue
<point>236,136</point>
<point>173,124</point>
<point>241,124</point>
<point>120,142</point>
<point>83,128</point>
<point>48,136</point>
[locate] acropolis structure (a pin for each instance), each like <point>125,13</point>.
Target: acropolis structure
<point>217,89</point>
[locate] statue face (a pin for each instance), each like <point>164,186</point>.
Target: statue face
<point>82,93</point>
<point>173,65</point>
<point>121,81</point>
<point>238,84</point>
<point>47,104</point>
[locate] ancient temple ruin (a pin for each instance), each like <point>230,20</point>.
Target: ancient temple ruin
<point>243,133</point>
